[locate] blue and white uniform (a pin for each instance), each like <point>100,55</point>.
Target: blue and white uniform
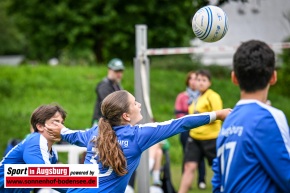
<point>253,150</point>
<point>32,150</point>
<point>133,140</point>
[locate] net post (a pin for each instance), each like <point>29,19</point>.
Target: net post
<point>141,86</point>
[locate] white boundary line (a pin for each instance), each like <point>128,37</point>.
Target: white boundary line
<point>200,50</point>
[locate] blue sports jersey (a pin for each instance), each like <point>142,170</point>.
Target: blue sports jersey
<point>32,150</point>
<point>253,150</point>
<point>133,140</point>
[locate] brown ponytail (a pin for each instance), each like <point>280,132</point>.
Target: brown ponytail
<point>110,152</point>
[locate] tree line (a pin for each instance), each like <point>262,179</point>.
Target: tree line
<point>92,31</point>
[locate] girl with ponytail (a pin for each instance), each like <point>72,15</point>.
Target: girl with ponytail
<point>117,143</point>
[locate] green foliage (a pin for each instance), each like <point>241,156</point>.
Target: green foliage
<point>185,63</point>
<point>75,57</point>
<point>24,88</point>
<point>106,28</point>
<point>175,62</point>
<point>11,40</point>
<point>283,86</point>
<point>176,178</point>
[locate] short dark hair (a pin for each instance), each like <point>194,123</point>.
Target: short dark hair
<point>253,64</point>
<point>43,113</point>
<point>204,72</point>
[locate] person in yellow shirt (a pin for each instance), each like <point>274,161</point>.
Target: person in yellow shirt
<point>202,141</point>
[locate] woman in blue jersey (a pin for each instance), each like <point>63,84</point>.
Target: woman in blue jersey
<point>117,143</point>
<point>253,146</point>
<point>36,148</point>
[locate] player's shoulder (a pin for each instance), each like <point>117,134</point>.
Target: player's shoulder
<point>277,114</point>
<point>33,136</point>
<point>263,109</point>
<point>35,140</point>
<point>273,111</point>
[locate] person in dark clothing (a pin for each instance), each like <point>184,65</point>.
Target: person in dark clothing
<point>109,84</point>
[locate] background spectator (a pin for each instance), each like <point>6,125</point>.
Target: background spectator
<point>202,140</point>
<point>182,102</point>
<point>108,85</point>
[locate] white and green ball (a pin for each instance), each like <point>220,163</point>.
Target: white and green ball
<point>210,23</point>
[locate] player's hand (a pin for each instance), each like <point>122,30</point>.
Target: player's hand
<point>222,114</point>
<point>54,130</point>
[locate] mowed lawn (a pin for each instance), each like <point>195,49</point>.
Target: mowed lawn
<point>176,178</point>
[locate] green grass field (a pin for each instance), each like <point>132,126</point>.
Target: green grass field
<point>176,176</point>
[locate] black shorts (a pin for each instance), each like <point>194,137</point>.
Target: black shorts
<point>196,150</point>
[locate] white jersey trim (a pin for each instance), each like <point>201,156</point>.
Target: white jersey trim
<point>279,117</point>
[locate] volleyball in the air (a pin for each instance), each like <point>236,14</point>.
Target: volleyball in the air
<point>210,23</point>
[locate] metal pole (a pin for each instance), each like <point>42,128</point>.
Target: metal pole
<point>141,85</point>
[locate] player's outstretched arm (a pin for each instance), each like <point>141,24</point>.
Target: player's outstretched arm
<point>77,137</point>
<point>222,114</point>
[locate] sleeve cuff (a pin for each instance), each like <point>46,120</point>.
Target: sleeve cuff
<point>64,130</point>
<point>212,116</point>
